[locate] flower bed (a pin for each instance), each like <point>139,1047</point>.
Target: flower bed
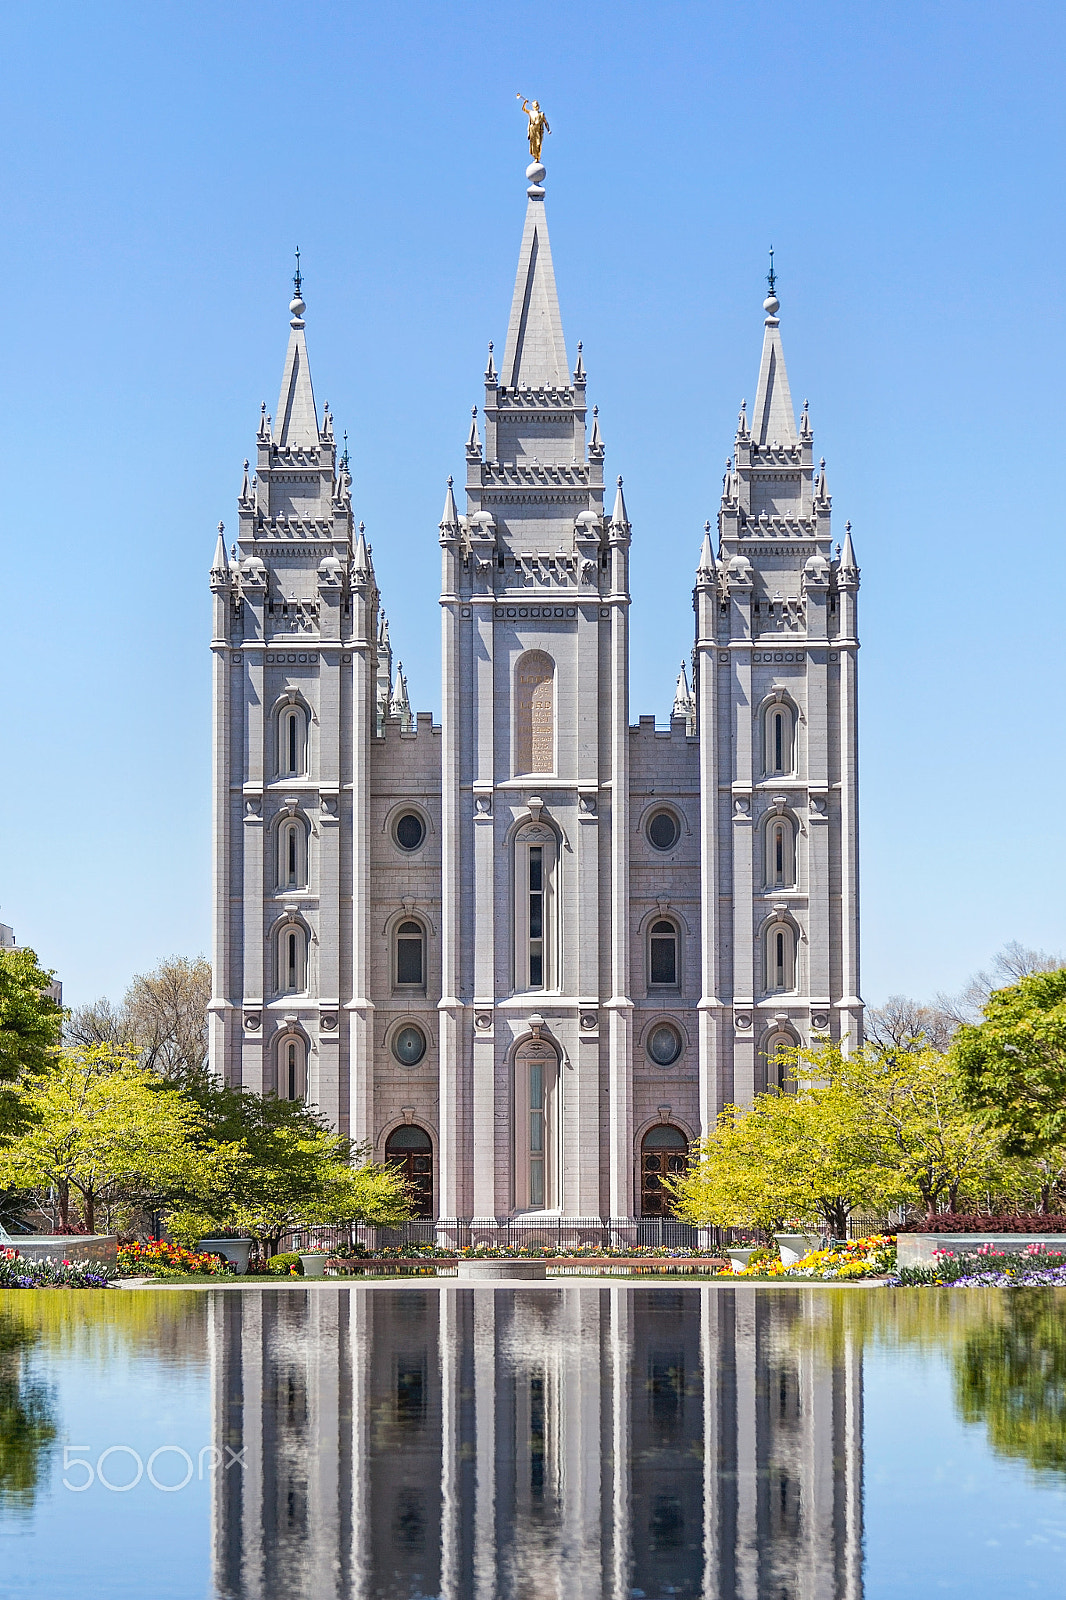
<point>988,1267</point>
<point>49,1272</point>
<point>859,1258</point>
<point>947,1222</point>
<point>158,1259</point>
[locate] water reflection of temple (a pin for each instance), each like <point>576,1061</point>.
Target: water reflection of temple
<point>477,1444</point>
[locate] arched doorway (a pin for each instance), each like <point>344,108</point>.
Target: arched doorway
<point>410,1148</point>
<point>663,1154</point>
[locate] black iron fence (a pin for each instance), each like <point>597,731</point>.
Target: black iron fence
<point>517,1233</point>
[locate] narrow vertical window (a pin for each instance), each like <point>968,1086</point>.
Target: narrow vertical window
<point>536,955</point>
<point>291,861</point>
<point>779,744</point>
<point>778,740</point>
<point>292,744</point>
<point>291,962</point>
<point>410,955</point>
<point>536,1133</point>
<point>779,963</point>
<point>292,1072</point>
<point>663,954</point>
<point>536,917</point>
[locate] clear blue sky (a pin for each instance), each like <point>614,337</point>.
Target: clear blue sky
<point>159,165</point>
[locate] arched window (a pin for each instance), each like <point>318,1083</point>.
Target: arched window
<point>536,945</point>
<point>663,965</point>
<point>663,1154</point>
<point>536,1127</point>
<point>292,742</point>
<point>535,713</point>
<point>780,853</point>
<point>776,1064</point>
<point>780,957</point>
<point>292,958</point>
<point>411,1149</point>
<point>779,752</point>
<point>410,955</point>
<point>292,854</point>
<point>292,1068</point>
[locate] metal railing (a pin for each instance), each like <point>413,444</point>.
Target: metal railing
<point>518,1233</point>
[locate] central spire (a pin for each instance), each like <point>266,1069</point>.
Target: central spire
<point>535,357</point>
<point>773,421</point>
<point>296,419</point>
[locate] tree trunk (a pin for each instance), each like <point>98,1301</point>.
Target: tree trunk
<point>90,1211</point>
<point>1045,1199</point>
<point>63,1193</point>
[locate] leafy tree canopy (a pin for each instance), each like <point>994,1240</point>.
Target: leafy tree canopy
<point>30,1027</point>
<point>1012,1066</point>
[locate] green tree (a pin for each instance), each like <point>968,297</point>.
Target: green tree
<point>97,1125</point>
<point>30,1027</point>
<point>282,1168</point>
<point>1012,1066</point>
<point>913,1134</point>
<point>786,1158</point>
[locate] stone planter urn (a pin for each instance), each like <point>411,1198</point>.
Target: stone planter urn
<point>491,1269</point>
<point>741,1257</point>
<point>794,1246</point>
<point>236,1251</point>
<point>313,1263</point>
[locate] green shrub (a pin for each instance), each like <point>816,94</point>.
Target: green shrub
<point>287,1265</point>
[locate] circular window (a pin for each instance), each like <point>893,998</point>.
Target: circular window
<point>664,1044</point>
<point>410,830</point>
<point>409,1045</point>
<point>664,830</point>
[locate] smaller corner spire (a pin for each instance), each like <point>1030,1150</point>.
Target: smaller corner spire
<point>449,521</point>
<point>706,568</point>
<point>473,443</point>
<point>619,516</point>
<point>361,559</point>
<point>847,556</point>
<point>490,369</point>
<point>742,421</point>
<point>220,565</point>
<point>682,698</point>
<point>579,370</point>
<point>596,446</point>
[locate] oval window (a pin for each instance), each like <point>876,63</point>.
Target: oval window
<point>664,1044</point>
<point>410,831</point>
<point>664,830</point>
<point>409,1046</point>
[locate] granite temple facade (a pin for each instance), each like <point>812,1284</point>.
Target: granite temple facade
<point>532,951</point>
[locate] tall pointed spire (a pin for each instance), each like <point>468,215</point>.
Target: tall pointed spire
<point>773,421</point>
<point>535,355</point>
<point>296,419</point>
<point>682,698</point>
<point>706,564</point>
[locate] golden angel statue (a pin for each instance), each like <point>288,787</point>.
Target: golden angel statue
<point>538,125</point>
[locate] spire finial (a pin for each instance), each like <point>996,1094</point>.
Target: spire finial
<point>296,306</point>
<point>771,305</point>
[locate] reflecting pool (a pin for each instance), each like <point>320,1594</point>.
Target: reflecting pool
<point>424,1440</point>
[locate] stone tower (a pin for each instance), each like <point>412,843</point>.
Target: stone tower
<point>535,1047</point>
<point>775,655</point>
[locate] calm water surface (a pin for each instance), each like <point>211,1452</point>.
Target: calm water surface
<point>532,1444</point>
